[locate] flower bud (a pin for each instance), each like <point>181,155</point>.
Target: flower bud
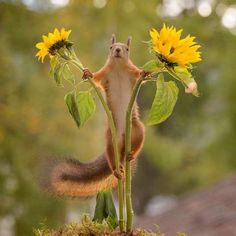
<point>191,88</point>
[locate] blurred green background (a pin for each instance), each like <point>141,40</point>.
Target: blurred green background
<point>195,147</point>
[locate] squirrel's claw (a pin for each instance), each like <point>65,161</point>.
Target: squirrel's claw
<point>87,74</point>
<point>131,156</point>
<point>122,171</point>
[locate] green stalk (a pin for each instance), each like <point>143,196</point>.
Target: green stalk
<point>115,145</point>
<point>116,153</point>
<point>128,171</point>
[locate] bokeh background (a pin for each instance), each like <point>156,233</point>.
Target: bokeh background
<point>194,148</point>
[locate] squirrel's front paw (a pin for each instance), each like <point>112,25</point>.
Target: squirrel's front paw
<point>120,174</point>
<point>87,74</point>
<point>144,73</point>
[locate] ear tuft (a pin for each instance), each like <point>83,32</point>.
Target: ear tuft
<point>113,39</point>
<point>129,41</point>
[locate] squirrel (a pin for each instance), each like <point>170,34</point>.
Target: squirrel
<point>70,177</point>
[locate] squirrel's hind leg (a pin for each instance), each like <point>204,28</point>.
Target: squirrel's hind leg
<point>137,141</point>
<point>111,157</point>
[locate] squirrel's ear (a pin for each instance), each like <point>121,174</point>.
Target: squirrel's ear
<point>129,41</point>
<point>113,39</point>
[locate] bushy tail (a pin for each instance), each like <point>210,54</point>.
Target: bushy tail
<point>70,177</point>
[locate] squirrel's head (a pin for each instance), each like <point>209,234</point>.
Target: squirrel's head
<point>119,52</point>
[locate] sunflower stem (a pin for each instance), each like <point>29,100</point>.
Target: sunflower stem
<point>116,153</point>
<point>128,151</point>
<point>112,126</point>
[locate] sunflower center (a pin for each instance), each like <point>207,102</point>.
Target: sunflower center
<point>163,59</point>
<point>56,46</point>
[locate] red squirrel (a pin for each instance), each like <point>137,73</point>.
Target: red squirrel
<point>117,78</point>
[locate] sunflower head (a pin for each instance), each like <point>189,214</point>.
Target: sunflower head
<point>172,50</point>
<point>52,43</point>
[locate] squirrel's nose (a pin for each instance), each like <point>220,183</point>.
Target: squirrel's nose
<point>118,50</point>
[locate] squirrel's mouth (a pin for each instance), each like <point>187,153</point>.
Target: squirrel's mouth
<point>117,55</point>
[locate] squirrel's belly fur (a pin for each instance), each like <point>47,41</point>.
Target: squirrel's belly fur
<point>118,101</point>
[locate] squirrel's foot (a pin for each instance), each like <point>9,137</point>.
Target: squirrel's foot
<point>119,174</point>
<point>87,74</point>
<point>144,73</point>
<point>131,156</point>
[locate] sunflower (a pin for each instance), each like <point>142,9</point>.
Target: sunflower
<point>53,42</point>
<point>172,50</point>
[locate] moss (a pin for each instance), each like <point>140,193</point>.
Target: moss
<point>89,228</point>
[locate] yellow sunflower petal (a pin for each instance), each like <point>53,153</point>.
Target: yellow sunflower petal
<point>63,33</point>
<point>41,55</point>
<point>169,44</point>
<point>154,34</point>
<point>66,34</point>
<point>56,33</point>
<point>40,45</point>
<point>51,39</point>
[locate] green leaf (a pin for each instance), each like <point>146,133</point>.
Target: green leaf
<point>68,75</point>
<point>57,73</point>
<point>185,76</point>
<point>70,99</point>
<point>110,210</point>
<point>183,73</point>
<point>164,101</point>
<point>86,106</point>
<point>153,66</point>
<point>105,209</point>
<point>53,61</point>
<point>81,106</point>
<point>56,70</point>
<point>60,69</point>
<point>100,212</point>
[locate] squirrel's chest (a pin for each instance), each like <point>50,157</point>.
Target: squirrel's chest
<point>119,91</point>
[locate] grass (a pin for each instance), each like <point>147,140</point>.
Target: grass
<point>87,227</point>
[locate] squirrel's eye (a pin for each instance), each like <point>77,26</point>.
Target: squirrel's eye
<point>110,47</point>
<point>127,49</point>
